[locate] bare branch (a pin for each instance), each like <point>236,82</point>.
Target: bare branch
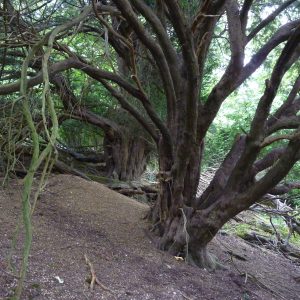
<point>281,35</point>
<point>269,19</point>
<point>155,49</point>
<point>229,83</point>
<point>132,110</point>
<point>242,201</point>
<point>54,69</point>
<point>278,171</point>
<point>285,188</point>
<point>220,180</point>
<point>244,14</point>
<point>163,37</point>
<point>290,107</point>
<point>268,160</point>
<point>71,104</point>
<point>203,29</point>
<point>272,139</point>
<point>236,37</point>
<point>258,128</point>
<point>283,63</point>
<point>99,74</point>
<point>284,123</point>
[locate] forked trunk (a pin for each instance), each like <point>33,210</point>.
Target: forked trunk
<point>183,228</point>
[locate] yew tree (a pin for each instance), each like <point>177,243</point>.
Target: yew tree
<point>173,41</point>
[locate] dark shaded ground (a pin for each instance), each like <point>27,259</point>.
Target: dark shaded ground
<point>75,217</point>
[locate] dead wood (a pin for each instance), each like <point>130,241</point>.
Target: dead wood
<point>94,279</point>
<point>66,169</point>
<point>286,249</point>
<point>130,192</point>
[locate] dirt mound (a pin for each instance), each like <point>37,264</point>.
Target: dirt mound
<point>76,217</point>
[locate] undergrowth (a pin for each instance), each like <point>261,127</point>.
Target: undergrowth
<point>261,225</point>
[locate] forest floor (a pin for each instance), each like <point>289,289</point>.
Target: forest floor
<point>76,218</point>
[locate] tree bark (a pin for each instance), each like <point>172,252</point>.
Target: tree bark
<point>126,157</point>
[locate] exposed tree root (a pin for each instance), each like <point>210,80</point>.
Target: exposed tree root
<point>203,259</point>
<point>176,241</point>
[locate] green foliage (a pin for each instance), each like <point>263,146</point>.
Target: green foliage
<point>76,134</point>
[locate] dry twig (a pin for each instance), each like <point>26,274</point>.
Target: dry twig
<point>94,279</point>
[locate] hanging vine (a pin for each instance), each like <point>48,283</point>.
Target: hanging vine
<point>38,156</point>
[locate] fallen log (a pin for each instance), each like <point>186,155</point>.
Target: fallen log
<point>257,238</point>
<point>64,168</point>
<point>91,156</point>
<point>130,192</point>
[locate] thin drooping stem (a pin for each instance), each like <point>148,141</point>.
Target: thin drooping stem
<point>37,157</point>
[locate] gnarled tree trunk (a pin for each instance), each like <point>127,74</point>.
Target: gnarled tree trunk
<point>126,153</point>
<point>126,157</point>
<point>186,224</point>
